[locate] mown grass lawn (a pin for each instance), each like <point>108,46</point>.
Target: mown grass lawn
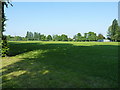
<point>61,65</point>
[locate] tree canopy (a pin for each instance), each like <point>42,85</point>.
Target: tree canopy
<point>114,31</point>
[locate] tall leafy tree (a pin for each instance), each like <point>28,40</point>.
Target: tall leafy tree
<point>100,36</point>
<point>92,36</point>
<point>64,37</point>
<point>49,38</point>
<point>57,38</point>
<point>3,38</point>
<point>114,31</point>
<point>79,37</point>
<point>85,36</point>
<point>36,36</point>
<point>75,37</point>
<point>29,35</point>
<point>39,35</point>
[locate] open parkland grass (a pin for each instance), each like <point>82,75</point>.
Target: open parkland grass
<point>37,64</point>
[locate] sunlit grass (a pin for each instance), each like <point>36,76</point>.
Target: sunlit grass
<point>61,64</point>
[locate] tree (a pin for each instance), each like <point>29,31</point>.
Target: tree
<point>78,37</point>
<point>16,38</point>
<point>49,38</point>
<point>8,37</point>
<point>57,38</point>
<point>39,36</point>
<point>114,31</point>
<point>64,37</point>
<point>70,39</point>
<point>3,38</point>
<point>75,37</point>
<point>36,36</point>
<point>85,36</point>
<point>117,34</point>
<point>43,37</point>
<point>29,35</point>
<point>92,36</point>
<point>100,36</point>
<point>79,34</point>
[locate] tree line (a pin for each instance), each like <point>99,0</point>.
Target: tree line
<point>90,36</point>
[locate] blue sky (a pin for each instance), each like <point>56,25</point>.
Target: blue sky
<point>60,17</point>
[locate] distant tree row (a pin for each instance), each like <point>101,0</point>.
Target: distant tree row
<point>90,36</point>
<point>15,38</point>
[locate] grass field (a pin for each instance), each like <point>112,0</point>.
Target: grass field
<point>61,65</point>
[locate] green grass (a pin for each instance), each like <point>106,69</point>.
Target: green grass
<point>61,65</point>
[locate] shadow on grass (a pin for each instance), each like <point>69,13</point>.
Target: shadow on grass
<point>63,65</point>
<point>18,48</point>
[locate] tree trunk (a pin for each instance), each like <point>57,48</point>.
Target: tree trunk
<point>119,13</point>
<point>0,40</point>
<point>0,21</point>
<point>2,15</point>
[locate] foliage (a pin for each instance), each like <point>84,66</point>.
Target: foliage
<point>56,38</point>
<point>100,36</point>
<point>70,39</point>
<point>5,48</point>
<point>36,36</point>
<point>64,37</point>
<point>114,31</point>
<point>29,35</point>
<point>16,38</point>
<point>3,37</point>
<point>49,38</point>
<point>78,37</point>
<point>90,36</point>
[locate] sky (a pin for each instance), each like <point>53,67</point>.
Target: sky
<point>53,18</point>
